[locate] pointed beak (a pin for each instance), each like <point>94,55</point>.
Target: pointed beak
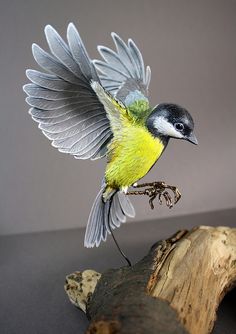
<point>192,139</point>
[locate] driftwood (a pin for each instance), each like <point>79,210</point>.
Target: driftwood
<point>176,288</point>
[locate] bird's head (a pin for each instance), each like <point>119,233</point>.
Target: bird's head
<point>169,120</point>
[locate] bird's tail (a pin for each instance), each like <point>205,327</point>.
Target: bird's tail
<point>106,214</point>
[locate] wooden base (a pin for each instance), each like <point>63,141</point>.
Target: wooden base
<point>175,289</point>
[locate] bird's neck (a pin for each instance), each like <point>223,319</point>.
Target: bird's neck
<point>153,130</point>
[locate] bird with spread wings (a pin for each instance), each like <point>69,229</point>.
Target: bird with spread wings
<point>93,109</point>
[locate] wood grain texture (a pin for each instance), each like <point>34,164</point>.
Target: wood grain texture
<point>176,288</point>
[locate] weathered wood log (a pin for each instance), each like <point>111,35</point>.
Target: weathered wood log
<point>176,288</point>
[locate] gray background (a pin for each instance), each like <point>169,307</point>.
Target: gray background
<point>190,46</point>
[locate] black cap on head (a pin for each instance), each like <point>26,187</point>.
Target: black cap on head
<point>171,120</point>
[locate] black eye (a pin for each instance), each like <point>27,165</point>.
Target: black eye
<point>179,126</point>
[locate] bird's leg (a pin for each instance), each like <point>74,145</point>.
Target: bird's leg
<point>157,189</point>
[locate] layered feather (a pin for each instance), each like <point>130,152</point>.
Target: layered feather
<point>105,216</point>
<point>123,71</point>
<point>71,104</point>
<point>62,100</point>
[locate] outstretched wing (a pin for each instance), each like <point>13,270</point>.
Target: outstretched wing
<point>63,102</point>
<point>67,108</point>
<point>123,72</point>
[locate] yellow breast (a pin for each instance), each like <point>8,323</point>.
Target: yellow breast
<point>132,154</point>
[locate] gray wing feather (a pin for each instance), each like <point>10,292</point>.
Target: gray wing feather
<point>87,142</point>
<point>102,150</point>
<point>80,54</point>
<point>70,123</point>
<point>61,51</point>
<point>39,92</point>
<point>91,152</point>
<point>123,71</point>
<point>51,64</point>
<point>63,111</point>
<point>138,59</point>
<point>50,82</point>
<point>124,53</point>
<point>45,104</point>
<point>148,76</point>
<point>69,141</point>
<point>114,60</point>
<point>111,72</point>
<point>73,134</point>
<point>62,101</point>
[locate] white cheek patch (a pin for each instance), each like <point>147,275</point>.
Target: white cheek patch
<point>166,128</point>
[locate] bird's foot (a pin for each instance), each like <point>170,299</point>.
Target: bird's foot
<point>159,190</point>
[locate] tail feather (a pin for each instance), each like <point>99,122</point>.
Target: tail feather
<point>118,211</point>
<point>118,206</point>
<point>126,205</point>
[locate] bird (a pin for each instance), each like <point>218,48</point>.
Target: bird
<point>91,109</point>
